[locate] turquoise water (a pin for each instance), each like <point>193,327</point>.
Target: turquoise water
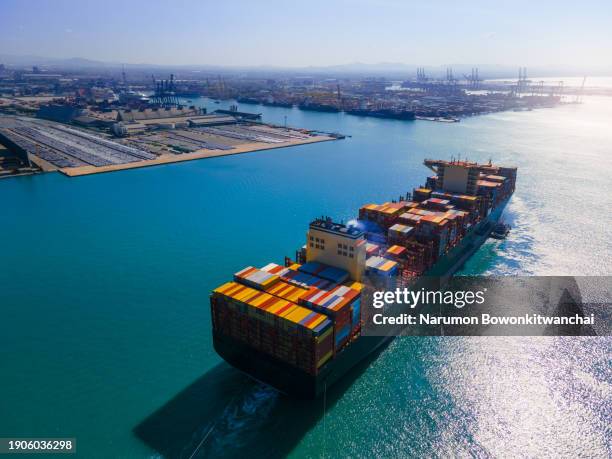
<point>105,330</point>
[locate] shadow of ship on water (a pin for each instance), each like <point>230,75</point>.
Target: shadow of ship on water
<point>224,413</point>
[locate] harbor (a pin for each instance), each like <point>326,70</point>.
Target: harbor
<point>321,230</point>
<point>73,151</point>
<point>146,247</point>
<point>78,125</point>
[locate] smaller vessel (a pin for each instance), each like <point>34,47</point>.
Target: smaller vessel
<point>500,231</point>
<point>278,103</point>
<point>247,100</point>
<point>383,113</point>
<point>318,107</point>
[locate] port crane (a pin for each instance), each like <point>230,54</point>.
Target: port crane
<point>580,92</point>
<point>473,79</point>
<point>164,92</point>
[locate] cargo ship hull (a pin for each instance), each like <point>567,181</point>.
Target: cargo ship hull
<point>297,383</point>
<point>404,115</point>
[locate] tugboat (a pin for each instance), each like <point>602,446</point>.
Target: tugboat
<point>500,231</point>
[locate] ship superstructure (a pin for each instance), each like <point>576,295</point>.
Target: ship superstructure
<point>298,326</point>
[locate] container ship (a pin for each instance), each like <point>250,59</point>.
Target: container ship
<point>404,115</point>
<point>278,103</point>
<point>299,327</point>
<point>319,107</point>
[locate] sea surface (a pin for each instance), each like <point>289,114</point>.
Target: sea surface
<point>105,330</point>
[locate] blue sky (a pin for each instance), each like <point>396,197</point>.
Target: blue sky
<point>307,32</point>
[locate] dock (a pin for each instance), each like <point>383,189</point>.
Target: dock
<point>200,154</point>
<point>76,152</point>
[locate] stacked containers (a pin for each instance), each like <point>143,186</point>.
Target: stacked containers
<point>453,227</point>
<point>381,266</point>
<point>342,304</point>
<point>421,194</point>
<point>441,195</point>
<point>488,192</point>
<point>434,228</point>
<point>385,214</point>
<point>396,251</point>
<point>372,249</point>
<point>461,201</point>
<point>275,269</point>
<point>399,234</point>
<point>418,256</point>
<point>287,291</point>
<point>409,218</point>
<point>298,336</point>
<point>504,186</point>
<point>436,204</point>
<point>255,278</point>
<point>510,173</point>
<point>304,280</point>
<point>316,286</point>
<point>468,203</point>
<point>323,271</point>
<point>421,212</point>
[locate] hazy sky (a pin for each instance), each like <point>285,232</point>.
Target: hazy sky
<point>311,32</point>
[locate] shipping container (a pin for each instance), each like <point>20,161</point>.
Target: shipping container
<point>399,232</point>
<point>372,249</point>
<point>381,266</point>
<point>255,278</point>
<point>323,271</point>
<point>421,194</point>
<point>395,251</point>
<point>304,280</point>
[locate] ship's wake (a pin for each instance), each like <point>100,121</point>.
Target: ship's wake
<point>238,425</point>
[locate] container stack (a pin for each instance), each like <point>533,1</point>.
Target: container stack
<point>287,291</point>
<point>256,278</point>
<point>296,335</point>
<point>399,234</point>
<point>421,194</point>
<point>437,204</point>
<point>434,228</point>
<point>384,215</point>
<point>372,249</point>
<point>342,304</point>
<point>301,279</point>
<point>326,272</point>
<point>301,314</point>
<point>409,219</point>
<point>460,201</point>
<point>381,266</point>
<point>395,252</point>
<point>418,256</point>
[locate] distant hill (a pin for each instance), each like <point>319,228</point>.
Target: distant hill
<point>384,69</point>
